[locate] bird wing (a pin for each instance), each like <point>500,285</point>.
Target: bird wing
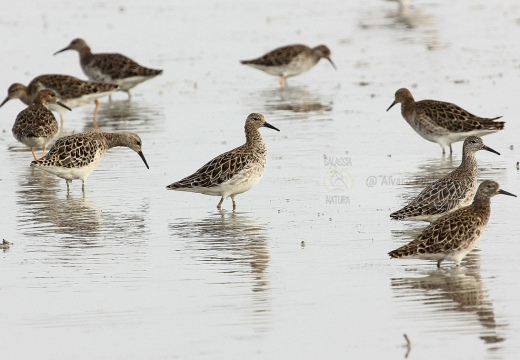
<point>219,170</point>
<point>438,198</point>
<point>119,66</point>
<point>72,152</point>
<point>453,117</point>
<point>68,87</point>
<point>280,56</point>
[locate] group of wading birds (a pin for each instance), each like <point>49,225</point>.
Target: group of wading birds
<point>457,209</point>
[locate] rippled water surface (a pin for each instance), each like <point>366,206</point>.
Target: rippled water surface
<point>129,270</point>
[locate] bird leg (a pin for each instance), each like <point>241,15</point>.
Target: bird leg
<point>234,203</point>
<point>439,264</point>
<point>34,154</point>
<point>61,119</point>
<point>44,151</point>
<point>451,150</point>
<point>282,80</point>
<point>219,206</point>
<point>68,188</point>
<point>95,114</point>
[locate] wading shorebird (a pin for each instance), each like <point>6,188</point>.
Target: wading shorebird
<point>76,156</point>
<point>36,126</point>
<point>450,193</point>
<point>441,122</point>
<point>69,90</point>
<point>453,236</point>
<point>110,68</point>
<point>290,60</point>
<point>233,172</point>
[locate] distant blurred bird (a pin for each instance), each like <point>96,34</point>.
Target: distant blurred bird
<point>69,90</point>
<point>290,60</point>
<point>110,68</point>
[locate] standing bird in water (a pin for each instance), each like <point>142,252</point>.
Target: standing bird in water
<point>36,126</point>
<point>110,68</point>
<point>76,156</point>
<point>441,122</point>
<point>454,235</point>
<point>290,60</point>
<point>233,172</point>
<point>450,193</point>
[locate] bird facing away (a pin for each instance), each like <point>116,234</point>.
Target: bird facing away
<point>450,193</point>
<point>233,172</point>
<point>36,126</point>
<point>441,122</point>
<point>110,68</point>
<point>76,156</point>
<point>453,236</point>
<point>69,90</point>
<point>290,60</point>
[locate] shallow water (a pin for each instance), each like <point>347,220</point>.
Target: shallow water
<point>132,271</point>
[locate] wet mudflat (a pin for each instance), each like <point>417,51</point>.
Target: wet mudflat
<point>130,270</point>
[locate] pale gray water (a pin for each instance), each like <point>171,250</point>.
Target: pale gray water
<point>132,271</point>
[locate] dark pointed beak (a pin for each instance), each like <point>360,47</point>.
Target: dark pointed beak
<point>489,149</point>
<point>503,192</point>
<point>391,106</point>
<point>5,100</point>
<point>63,105</point>
<point>62,50</point>
<point>142,157</point>
<point>334,66</point>
<point>267,125</point>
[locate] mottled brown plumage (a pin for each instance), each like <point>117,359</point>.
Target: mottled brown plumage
<point>111,68</point>
<point>69,90</point>
<point>450,193</point>
<point>442,122</point>
<point>76,156</point>
<point>454,235</point>
<point>290,60</point>
<point>233,172</point>
<point>36,126</point>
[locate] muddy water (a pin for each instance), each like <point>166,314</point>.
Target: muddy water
<point>130,270</point>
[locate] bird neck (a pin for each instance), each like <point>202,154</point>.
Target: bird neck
<point>253,137</point>
<point>115,139</point>
<point>85,54</point>
<point>26,97</point>
<point>482,205</point>
<point>469,161</point>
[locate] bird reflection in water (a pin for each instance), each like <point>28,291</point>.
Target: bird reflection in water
<point>294,99</point>
<point>116,116</point>
<point>415,24</point>
<point>45,207</point>
<point>458,290</point>
<point>238,245</point>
